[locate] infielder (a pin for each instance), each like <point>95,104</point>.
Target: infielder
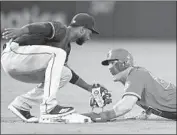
<point>154,95</point>
<point>38,53</point>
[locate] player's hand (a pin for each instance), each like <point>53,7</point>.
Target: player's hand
<point>95,117</point>
<point>100,96</point>
<point>9,33</point>
<point>142,116</point>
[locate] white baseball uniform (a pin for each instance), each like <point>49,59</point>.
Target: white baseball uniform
<point>42,63</point>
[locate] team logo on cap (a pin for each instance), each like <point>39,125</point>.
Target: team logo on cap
<point>74,21</point>
<point>128,57</point>
<point>109,54</point>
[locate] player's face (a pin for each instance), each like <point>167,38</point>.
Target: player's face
<point>113,67</point>
<point>85,34</point>
<point>119,73</point>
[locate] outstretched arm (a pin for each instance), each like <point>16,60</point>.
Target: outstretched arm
<point>44,28</point>
<point>121,108</point>
<point>82,84</point>
<point>79,81</point>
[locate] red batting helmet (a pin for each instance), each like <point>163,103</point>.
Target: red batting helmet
<point>122,56</point>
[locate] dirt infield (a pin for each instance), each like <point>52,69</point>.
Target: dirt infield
<point>158,57</point>
<point>118,127</point>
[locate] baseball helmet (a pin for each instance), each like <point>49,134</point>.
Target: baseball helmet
<point>85,20</point>
<point>124,58</point>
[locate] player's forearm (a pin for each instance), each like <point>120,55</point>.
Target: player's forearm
<point>119,109</point>
<point>108,115</point>
<point>125,105</point>
<point>38,28</point>
<point>82,84</point>
<point>112,114</point>
<point>79,81</point>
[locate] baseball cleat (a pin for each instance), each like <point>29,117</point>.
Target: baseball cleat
<point>24,115</point>
<point>56,114</point>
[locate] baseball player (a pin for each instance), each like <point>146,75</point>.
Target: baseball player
<point>156,96</point>
<point>38,53</point>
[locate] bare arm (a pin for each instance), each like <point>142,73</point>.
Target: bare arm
<point>119,109</point>
<point>125,105</point>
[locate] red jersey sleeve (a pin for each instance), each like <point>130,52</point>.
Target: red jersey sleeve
<point>135,84</point>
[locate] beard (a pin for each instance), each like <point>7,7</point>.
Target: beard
<point>80,41</point>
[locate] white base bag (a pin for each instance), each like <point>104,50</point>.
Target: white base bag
<point>76,118</point>
<point>70,118</point>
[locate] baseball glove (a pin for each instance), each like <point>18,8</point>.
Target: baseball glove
<point>100,96</point>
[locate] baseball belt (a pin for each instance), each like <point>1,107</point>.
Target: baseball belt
<point>165,114</point>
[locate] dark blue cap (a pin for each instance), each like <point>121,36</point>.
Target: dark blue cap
<point>85,20</point>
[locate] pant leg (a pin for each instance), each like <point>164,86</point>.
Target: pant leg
<point>31,59</point>
<point>66,76</point>
<point>34,97</point>
<point>29,99</point>
<point>52,80</point>
<point>26,63</point>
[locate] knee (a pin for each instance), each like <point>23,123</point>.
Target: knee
<point>66,73</point>
<point>66,76</point>
<point>60,52</point>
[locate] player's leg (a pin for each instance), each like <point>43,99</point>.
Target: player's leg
<point>66,76</point>
<point>49,108</point>
<point>34,97</point>
<point>58,112</point>
<point>22,104</point>
<point>25,63</point>
<point>30,59</point>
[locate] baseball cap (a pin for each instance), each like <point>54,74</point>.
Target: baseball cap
<point>118,54</point>
<point>84,19</point>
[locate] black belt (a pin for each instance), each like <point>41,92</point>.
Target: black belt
<point>165,114</point>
